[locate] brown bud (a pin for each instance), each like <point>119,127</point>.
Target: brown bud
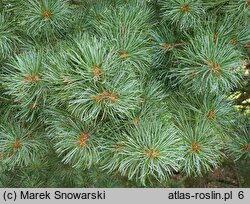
<point>46,14</point>
<point>246,147</point>
<point>16,144</point>
<point>166,46</point>
<point>97,71</point>
<point>195,147</point>
<point>185,8</point>
<point>32,78</point>
<point>152,153</point>
<point>106,96</point>
<point>123,54</point>
<point>83,138</point>
<point>211,114</point>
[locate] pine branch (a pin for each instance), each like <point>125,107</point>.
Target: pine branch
<point>183,13</point>
<point>19,146</point>
<point>45,19</point>
<point>208,64</point>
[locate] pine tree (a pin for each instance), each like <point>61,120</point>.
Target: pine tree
<point>122,93</point>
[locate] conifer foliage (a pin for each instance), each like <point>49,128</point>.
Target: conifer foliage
<point>118,93</point>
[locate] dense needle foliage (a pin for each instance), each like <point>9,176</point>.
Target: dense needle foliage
<point>122,93</point>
